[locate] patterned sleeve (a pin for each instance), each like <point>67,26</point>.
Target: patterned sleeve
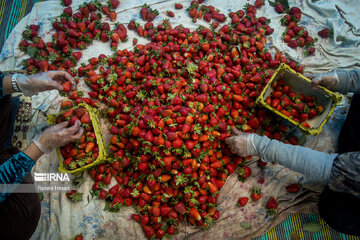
<point>345,173</point>
<point>13,171</point>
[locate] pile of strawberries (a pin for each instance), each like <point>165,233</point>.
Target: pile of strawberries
<point>206,12</point>
<point>171,103</point>
<point>74,32</point>
<point>295,35</point>
<point>298,107</point>
<point>85,151</point>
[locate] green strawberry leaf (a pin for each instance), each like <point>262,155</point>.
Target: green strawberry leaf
<point>312,227</point>
<point>284,3</point>
<point>245,225</point>
<point>41,196</point>
<point>273,4</point>
<point>32,51</point>
<point>78,181</point>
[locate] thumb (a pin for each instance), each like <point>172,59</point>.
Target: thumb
<point>56,85</point>
<point>236,131</point>
<point>310,76</point>
<point>315,82</point>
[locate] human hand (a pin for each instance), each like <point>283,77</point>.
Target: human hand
<point>328,80</point>
<point>58,135</point>
<point>239,144</point>
<point>33,84</point>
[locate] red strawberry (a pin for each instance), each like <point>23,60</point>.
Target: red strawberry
<point>324,33</point>
<point>242,201</point>
<point>107,179</point>
<point>105,10</point>
<point>72,120</point>
<point>178,6</point>
<point>66,2</point>
<point>243,173</point>
<point>44,66</point>
<point>144,12</point>
<point>293,188</point>
<point>170,14</point>
<point>293,43</point>
<point>255,194</point>
<point>66,86</point>
<point>112,16</point>
<point>194,214</point>
<point>150,17</point>
<point>149,231</point>
<point>258,3</point>
<point>279,8</point>
<point>85,119</point>
<point>79,112</point>
<point>180,208</point>
<point>68,11</point>
<point>295,10</point>
<point>271,205</point>
<point>115,3</point>
<point>79,237</point>
<point>114,190</point>
<point>159,233</point>
<point>74,196</point>
<point>77,55</point>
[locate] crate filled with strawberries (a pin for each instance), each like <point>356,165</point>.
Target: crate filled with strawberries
<point>90,150</point>
<point>290,95</point>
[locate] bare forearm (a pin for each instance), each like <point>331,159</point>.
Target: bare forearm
<point>8,89</point>
<point>33,152</point>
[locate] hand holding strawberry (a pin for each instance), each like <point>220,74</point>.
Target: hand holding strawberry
<point>58,135</point>
<point>33,84</point>
<point>239,144</point>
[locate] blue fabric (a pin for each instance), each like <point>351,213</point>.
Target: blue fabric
<point>13,171</point>
<point>313,164</point>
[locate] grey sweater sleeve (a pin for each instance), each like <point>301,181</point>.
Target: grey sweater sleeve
<point>313,164</point>
<point>349,81</point>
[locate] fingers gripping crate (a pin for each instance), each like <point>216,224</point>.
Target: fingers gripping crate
<point>300,84</point>
<point>94,121</point>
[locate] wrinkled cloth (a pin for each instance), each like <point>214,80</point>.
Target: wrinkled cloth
<point>13,171</point>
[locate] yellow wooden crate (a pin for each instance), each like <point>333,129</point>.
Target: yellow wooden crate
<point>301,84</point>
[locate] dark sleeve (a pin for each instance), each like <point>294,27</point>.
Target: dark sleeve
<point>1,85</point>
<point>12,172</point>
<point>345,173</point>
